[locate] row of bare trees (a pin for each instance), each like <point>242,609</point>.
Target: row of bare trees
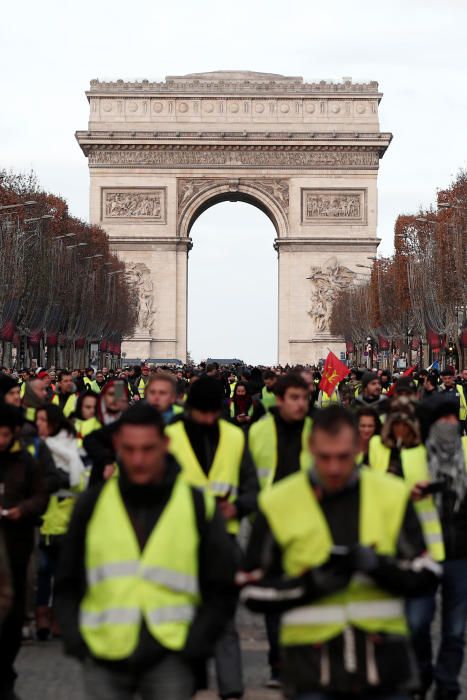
<point>60,284</point>
<point>415,300</point>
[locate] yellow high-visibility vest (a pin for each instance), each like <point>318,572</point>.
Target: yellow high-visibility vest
<point>224,476</point>
<point>268,398</point>
<point>415,469</point>
<point>70,404</point>
<point>262,441</point>
<point>302,532</point>
<point>125,586</point>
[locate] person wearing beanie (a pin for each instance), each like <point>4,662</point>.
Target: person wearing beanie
<point>213,454</point>
<point>10,387</point>
<point>370,394</point>
<point>23,498</point>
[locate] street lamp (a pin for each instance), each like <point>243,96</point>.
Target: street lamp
<point>65,235</point>
<point>39,218</point>
<point>75,245</point>
<point>16,206</point>
<point>92,257</point>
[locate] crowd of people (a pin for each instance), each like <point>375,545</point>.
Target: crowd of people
<point>140,506</point>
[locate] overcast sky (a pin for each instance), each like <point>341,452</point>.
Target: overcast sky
<point>416,49</point>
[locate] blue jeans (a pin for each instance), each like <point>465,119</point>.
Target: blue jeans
<point>420,614</point>
<point>372,695</point>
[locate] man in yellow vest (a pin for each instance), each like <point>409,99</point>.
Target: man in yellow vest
<point>142,380</point>
<point>336,550</point>
<point>65,396</point>
<point>214,456</point>
<point>145,585</point>
<point>278,443</point>
<point>161,393</point>
<point>450,386</point>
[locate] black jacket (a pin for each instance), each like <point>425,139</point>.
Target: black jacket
<point>302,665</point>
<point>145,505</point>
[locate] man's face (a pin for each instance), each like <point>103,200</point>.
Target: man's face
<point>270,382</point>
<point>205,417</point>
<point>105,371</point>
<point>366,427</point>
<point>373,388</point>
<point>6,437</point>
<point>13,397</point>
<point>334,456</point>
<point>66,384</point>
<point>24,376</point>
<point>89,373</point>
<point>145,371</point>
<point>464,375</point>
<point>448,380</point>
<point>113,403</point>
<point>99,377</point>
<point>240,391</point>
<point>141,450</point>
<point>75,374</point>
<point>161,395</point>
<point>294,404</point>
<point>39,389</point>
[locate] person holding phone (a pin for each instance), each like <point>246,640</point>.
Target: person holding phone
<point>447,481</point>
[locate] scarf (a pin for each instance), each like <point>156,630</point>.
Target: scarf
<point>446,459</point>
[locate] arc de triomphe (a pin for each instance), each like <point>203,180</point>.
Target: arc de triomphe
<point>306,154</point>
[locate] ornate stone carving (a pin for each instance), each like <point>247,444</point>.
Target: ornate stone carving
<point>326,282</point>
<point>140,276</point>
<point>333,206</point>
<point>144,204</point>
<point>252,157</point>
<point>189,188</point>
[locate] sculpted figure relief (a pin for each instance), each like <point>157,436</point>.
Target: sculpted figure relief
<point>326,282</point>
<point>347,206</point>
<point>140,276</point>
<point>133,204</point>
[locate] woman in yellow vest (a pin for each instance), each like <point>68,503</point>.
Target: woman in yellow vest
<point>336,550</point>
<point>369,424</point>
<point>60,437</point>
<point>399,451</point>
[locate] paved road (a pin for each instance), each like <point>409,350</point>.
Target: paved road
<point>45,674</point>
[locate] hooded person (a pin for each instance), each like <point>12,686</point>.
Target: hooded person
<point>10,388</point>
<point>35,395</point>
<point>447,464</point>
<point>113,401</point>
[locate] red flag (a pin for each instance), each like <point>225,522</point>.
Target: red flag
<point>409,371</point>
<point>334,372</point>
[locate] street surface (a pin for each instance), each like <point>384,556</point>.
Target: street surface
<point>46,674</point>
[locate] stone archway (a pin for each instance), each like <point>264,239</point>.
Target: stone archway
<point>307,154</point>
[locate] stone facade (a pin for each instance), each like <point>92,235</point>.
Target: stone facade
<point>307,154</point>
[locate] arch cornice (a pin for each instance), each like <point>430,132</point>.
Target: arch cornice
<point>195,195</point>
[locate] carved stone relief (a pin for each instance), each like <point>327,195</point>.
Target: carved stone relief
<point>326,282</point>
<point>278,189</point>
<point>333,206</point>
<point>142,204</point>
<point>241,157</point>
<point>140,277</point>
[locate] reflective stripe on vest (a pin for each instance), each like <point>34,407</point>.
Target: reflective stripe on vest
<point>304,537</point>
<point>224,475</point>
<point>415,469</point>
<point>344,614</point>
<point>262,441</point>
<point>126,586</point>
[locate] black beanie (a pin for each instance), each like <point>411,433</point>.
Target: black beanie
<point>206,394</point>
<point>369,377</point>
<point>6,383</point>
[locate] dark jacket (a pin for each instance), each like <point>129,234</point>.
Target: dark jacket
<point>145,505</point>
<point>100,450</point>
<point>302,664</point>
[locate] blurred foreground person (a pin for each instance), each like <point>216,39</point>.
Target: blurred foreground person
<point>23,498</point>
<point>145,585</point>
<point>336,550</point>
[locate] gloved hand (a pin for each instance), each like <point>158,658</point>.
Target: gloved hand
<point>363,559</point>
<point>330,577</point>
